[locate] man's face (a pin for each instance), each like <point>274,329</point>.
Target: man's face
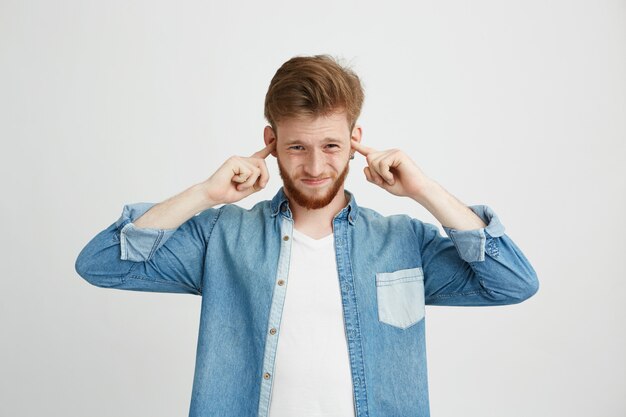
<point>313,156</point>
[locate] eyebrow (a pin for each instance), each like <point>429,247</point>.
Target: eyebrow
<point>325,140</point>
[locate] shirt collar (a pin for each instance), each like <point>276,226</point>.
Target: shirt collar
<point>281,203</point>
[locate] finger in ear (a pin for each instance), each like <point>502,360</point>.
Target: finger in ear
<point>374,176</point>
<point>366,170</point>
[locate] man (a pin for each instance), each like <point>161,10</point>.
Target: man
<point>311,305</point>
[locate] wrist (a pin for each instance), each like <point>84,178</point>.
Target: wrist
<point>201,197</point>
<point>426,193</point>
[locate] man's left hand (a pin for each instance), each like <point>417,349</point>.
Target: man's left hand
<point>393,171</point>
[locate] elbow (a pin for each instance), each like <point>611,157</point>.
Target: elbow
<point>530,288</point>
<point>94,273</point>
<point>81,266</point>
<point>99,261</point>
<point>516,293</point>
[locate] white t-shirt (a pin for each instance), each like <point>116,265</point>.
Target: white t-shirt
<point>312,368</point>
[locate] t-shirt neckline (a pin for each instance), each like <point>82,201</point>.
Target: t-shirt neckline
<point>298,235</point>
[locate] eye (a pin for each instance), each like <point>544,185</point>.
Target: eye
<point>333,145</point>
<point>296,146</point>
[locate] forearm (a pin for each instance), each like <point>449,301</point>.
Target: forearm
<point>447,209</point>
<point>176,210</point>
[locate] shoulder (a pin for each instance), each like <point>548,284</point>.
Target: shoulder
<point>394,223</point>
<point>230,217</point>
<point>371,216</point>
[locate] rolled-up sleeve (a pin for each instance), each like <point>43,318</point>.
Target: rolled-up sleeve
<point>476,267</point>
<point>139,244</point>
<point>126,257</point>
<point>472,244</point>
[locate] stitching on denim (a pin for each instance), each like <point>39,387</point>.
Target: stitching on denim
<point>461,294</point>
<point>280,220</point>
<point>124,223</point>
<point>123,244</point>
<point>483,242</point>
<point>219,213</point>
<point>132,266</point>
<point>382,283</point>
<point>207,239</point>
<point>124,254</point>
<point>173,283</point>
<point>356,310</point>
<point>160,235</point>
<point>407,327</point>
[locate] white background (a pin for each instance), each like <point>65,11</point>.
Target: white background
<point>520,105</point>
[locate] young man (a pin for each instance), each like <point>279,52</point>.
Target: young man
<point>311,304</point>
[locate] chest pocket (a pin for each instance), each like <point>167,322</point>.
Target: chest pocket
<point>400,297</point>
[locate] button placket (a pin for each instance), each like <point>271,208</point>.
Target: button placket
<point>276,308</point>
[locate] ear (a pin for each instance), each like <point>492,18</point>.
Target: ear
<point>269,136</point>
<point>356,135</point>
<point>357,132</point>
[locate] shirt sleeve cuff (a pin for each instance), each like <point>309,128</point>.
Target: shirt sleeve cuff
<point>139,244</point>
<point>472,244</point>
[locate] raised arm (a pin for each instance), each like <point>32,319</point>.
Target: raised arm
<point>479,267</point>
<point>477,264</point>
<point>155,259</point>
<point>162,247</point>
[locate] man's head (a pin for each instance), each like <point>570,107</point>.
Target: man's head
<point>312,106</point>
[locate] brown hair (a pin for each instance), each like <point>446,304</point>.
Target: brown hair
<point>313,86</point>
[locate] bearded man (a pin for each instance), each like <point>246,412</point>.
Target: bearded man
<point>311,305</point>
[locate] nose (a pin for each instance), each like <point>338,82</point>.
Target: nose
<point>314,165</point>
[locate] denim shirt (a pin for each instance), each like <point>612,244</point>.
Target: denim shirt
<point>237,259</point>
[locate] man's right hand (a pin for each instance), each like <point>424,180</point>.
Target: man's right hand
<point>238,177</point>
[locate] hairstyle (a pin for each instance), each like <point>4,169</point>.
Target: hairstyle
<point>312,86</point>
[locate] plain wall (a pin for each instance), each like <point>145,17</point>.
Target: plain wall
<point>520,105</point>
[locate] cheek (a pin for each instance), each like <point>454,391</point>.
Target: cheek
<point>340,159</point>
<point>288,163</point>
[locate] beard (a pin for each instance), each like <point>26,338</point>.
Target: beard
<point>306,201</point>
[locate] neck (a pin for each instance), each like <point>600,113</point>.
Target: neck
<point>318,222</point>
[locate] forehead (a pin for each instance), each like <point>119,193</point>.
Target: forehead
<point>314,128</point>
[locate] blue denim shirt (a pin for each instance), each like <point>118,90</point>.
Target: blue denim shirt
<point>237,259</point>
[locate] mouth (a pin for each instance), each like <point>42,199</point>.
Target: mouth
<point>315,182</point>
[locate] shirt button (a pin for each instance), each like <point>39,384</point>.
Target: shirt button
<point>266,375</point>
<point>281,282</point>
<point>272,331</point>
<point>285,237</point>
<point>350,218</point>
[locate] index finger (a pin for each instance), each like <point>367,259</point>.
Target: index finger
<point>362,149</point>
<point>263,153</point>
